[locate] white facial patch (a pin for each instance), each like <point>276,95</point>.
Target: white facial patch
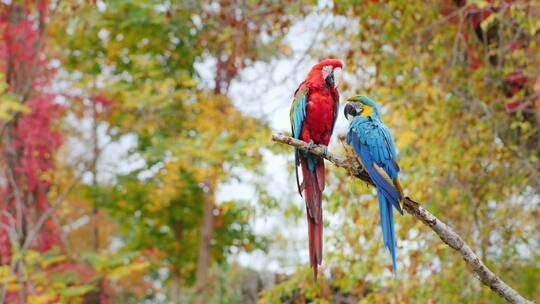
<point>338,76</point>
<point>327,69</point>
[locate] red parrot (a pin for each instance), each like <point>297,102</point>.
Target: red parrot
<point>313,115</point>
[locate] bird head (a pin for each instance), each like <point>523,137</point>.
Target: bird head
<point>330,70</point>
<point>360,105</point>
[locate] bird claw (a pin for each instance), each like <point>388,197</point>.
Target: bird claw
<point>312,144</point>
<point>325,151</point>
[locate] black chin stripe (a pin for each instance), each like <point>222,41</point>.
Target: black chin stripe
<point>330,80</point>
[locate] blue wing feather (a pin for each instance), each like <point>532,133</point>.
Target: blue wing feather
<point>390,142</point>
<point>370,140</point>
<point>297,116</point>
<point>298,111</point>
<point>380,182</point>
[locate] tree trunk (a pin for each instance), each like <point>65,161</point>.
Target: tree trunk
<point>20,72</point>
<point>175,290</point>
<point>207,227</point>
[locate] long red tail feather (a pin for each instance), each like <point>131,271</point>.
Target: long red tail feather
<point>320,174</point>
<point>313,186</point>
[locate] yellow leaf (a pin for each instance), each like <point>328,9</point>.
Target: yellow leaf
<point>47,297</point>
<point>453,193</point>
<point>487,22</point>
<point>4,270</point>
<point>53,260</point>
<point>13,287</point>
<point>32,257</point>
<point>7,278</point>
<point>127,270</point>
<point>9,105</point>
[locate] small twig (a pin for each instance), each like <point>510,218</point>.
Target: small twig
<point>445,232</point>
<point>48,212</point>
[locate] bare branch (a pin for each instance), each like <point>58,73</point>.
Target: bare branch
<point>45,215</point>
<point>445,232</point>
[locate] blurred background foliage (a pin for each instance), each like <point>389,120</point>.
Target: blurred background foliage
<point>148,131</point>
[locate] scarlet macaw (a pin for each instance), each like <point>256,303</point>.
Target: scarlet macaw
<point>313,115</point>
<point>375,147</point>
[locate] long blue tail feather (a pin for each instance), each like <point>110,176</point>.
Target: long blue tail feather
<point>387,225</point>
<point>388,196</point>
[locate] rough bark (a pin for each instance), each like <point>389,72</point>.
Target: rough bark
<point>207,229</point>
<point>204,245</point>
<point>445,232</point>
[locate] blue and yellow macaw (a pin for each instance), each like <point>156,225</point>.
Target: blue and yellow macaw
<point>375,147</point>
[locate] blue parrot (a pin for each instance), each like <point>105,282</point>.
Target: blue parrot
<point>375,147</point>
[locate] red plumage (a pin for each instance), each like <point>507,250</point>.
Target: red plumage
<point>322,102</point>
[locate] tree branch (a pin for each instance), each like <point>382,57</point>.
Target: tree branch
<point>445,232</point>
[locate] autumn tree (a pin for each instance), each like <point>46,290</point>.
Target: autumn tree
<point>141,57</point>
<point>29,139</point>
<point>456,85</point>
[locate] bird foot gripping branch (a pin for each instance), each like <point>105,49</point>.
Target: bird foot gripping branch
<point>324,150</point>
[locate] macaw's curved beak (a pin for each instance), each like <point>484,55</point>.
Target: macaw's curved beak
<point>330,81</point>
<point>353,109</point>
<point>349,110</point>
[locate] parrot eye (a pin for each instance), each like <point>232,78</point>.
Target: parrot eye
<point>326,70</point>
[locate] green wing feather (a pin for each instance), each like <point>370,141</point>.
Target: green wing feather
<point>297,115</point>
<point>298,111</point>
